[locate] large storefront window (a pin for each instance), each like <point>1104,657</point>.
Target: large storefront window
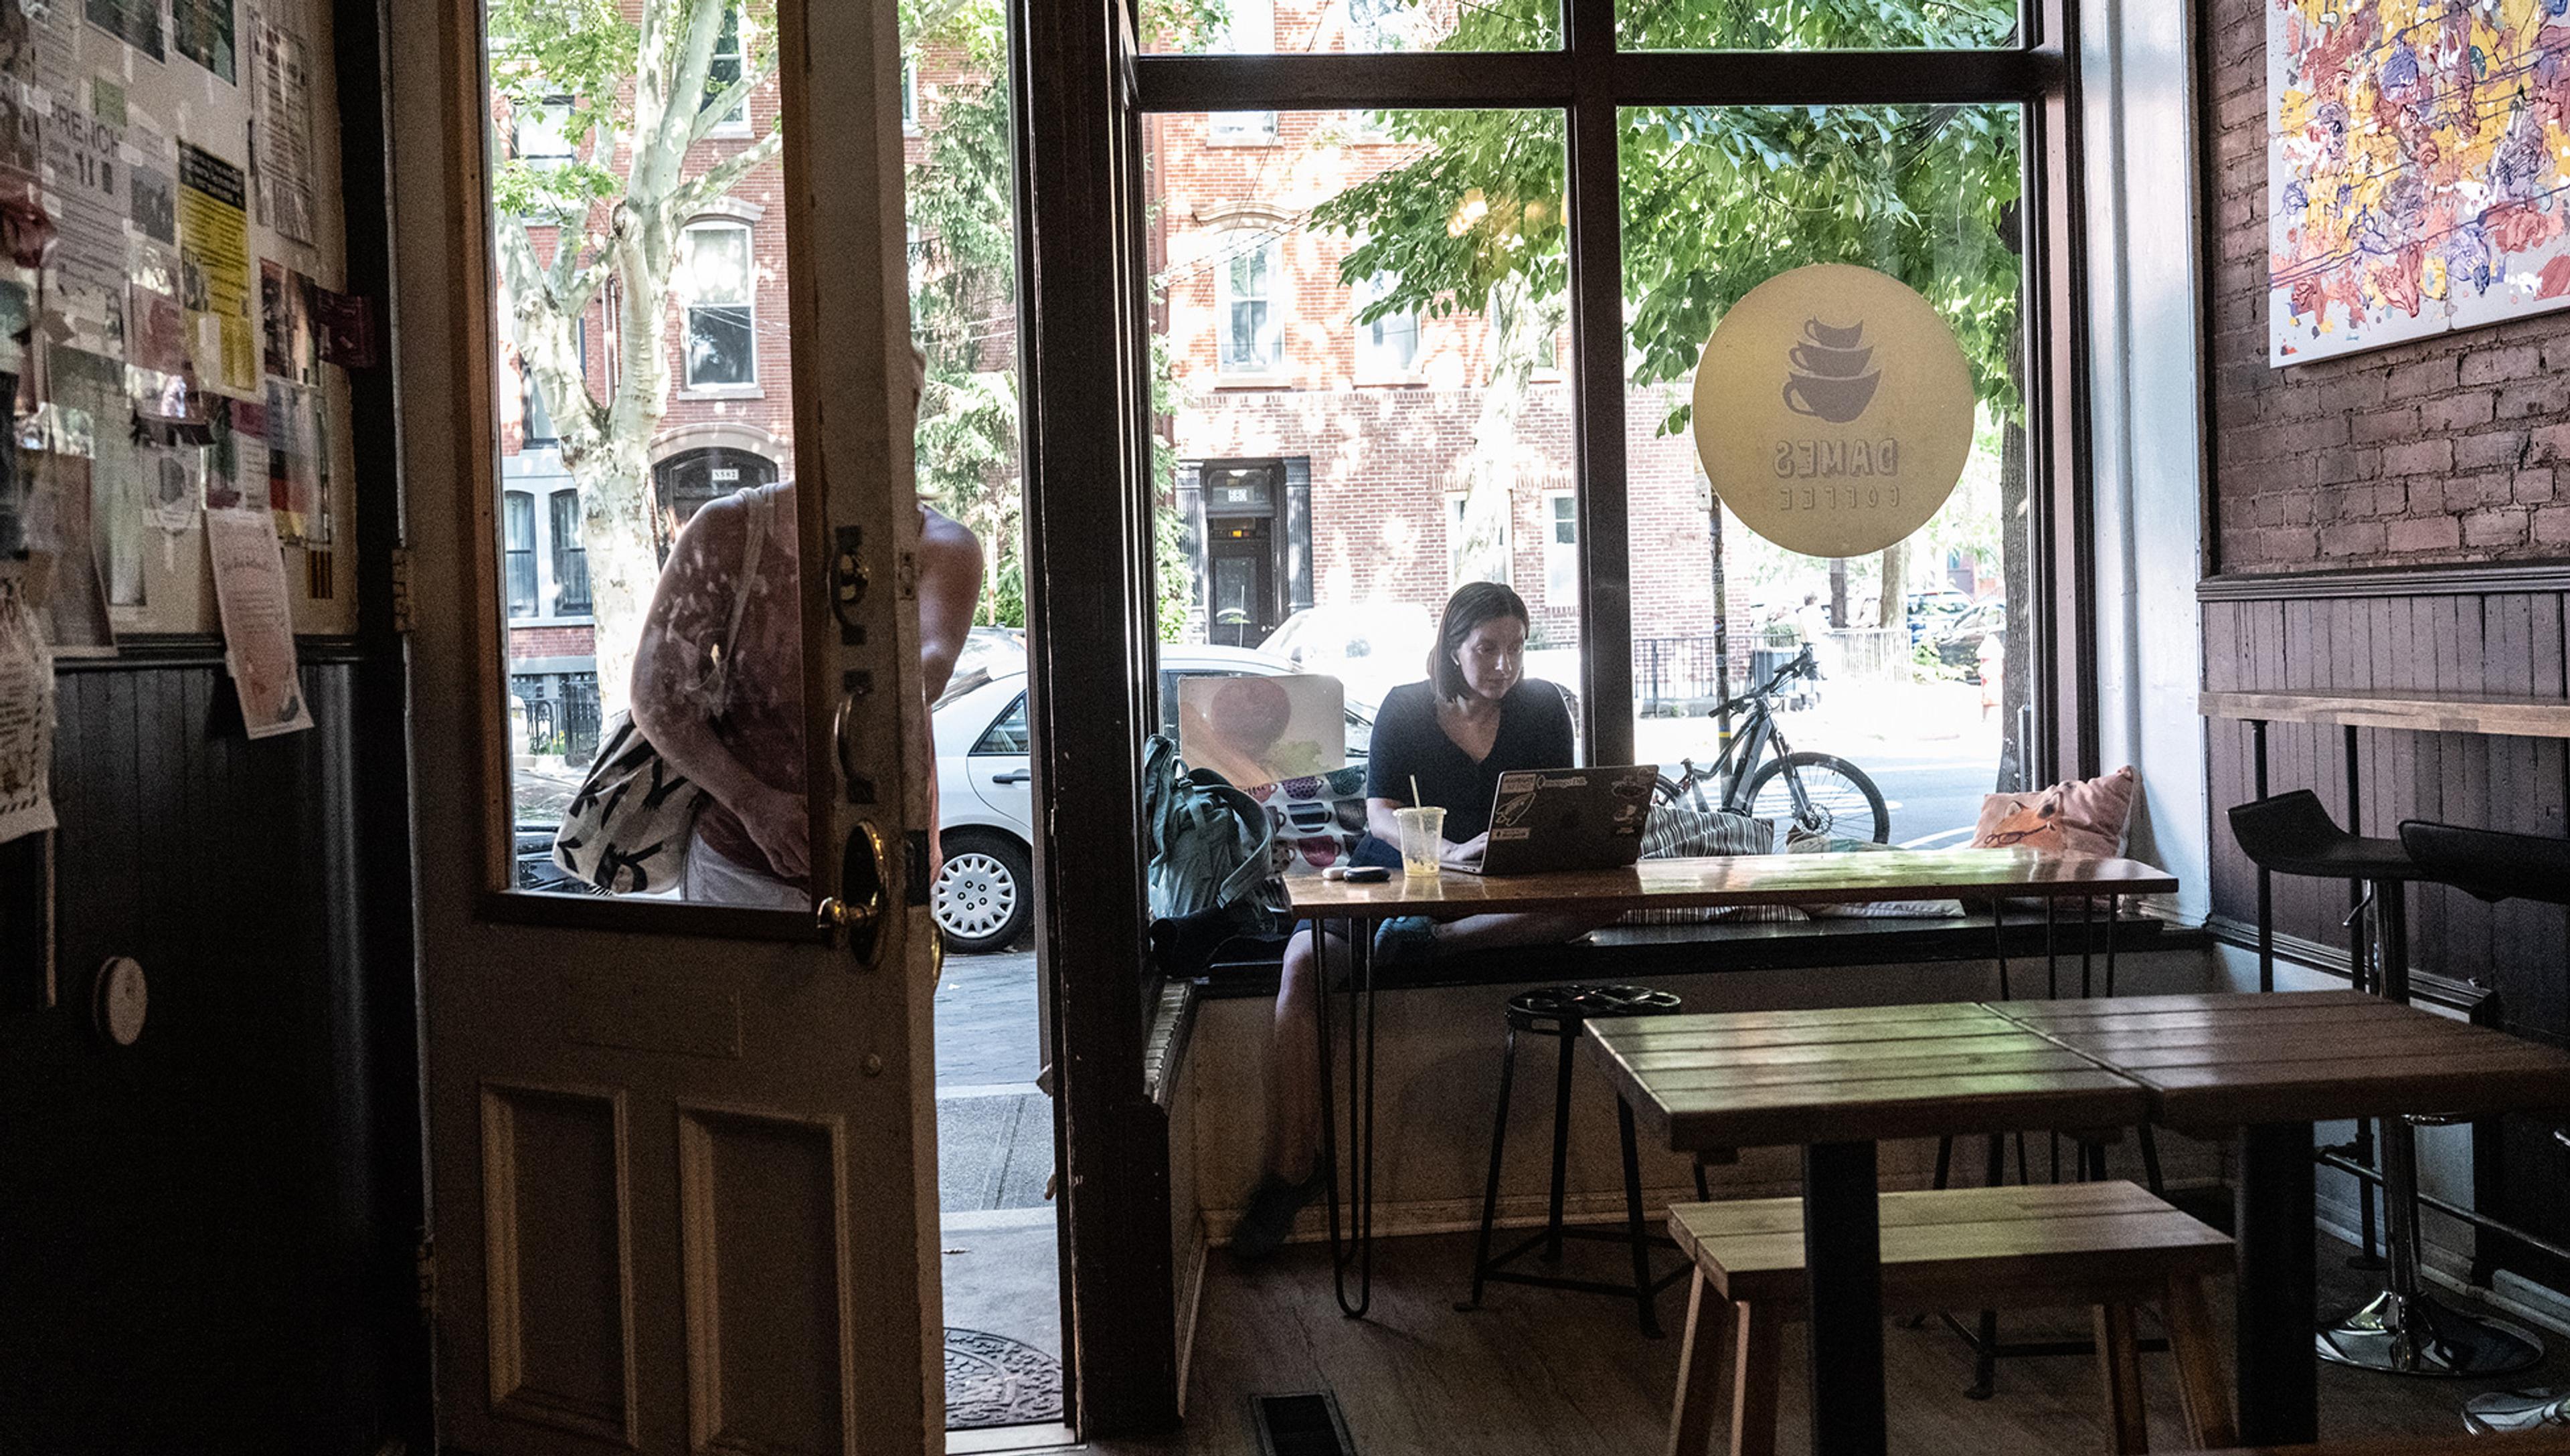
<point>1364,412</point>
<point>1910,642</point>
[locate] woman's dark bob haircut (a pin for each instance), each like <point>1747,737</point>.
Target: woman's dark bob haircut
<point>1473,603</point>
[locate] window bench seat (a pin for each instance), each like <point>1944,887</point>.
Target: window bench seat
<point>1249,966</point>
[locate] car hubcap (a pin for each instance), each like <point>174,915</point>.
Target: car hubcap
<point>975,895</point>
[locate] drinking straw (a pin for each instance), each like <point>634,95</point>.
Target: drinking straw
<point>1415,801</point>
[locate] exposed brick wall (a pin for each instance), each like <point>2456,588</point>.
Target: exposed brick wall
<point>2439,451</point>
<point>528,643</point>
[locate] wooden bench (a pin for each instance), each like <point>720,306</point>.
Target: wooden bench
<point>2110,1246</point>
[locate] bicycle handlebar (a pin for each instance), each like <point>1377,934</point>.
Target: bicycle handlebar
<point>1803,665</point>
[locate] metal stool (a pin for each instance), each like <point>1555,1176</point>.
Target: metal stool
<point>1559,1012</point>
<point>2405,1330</point>
<point>2493,865</point>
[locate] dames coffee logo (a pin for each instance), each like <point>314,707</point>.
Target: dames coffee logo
<point>1866,433</point>
<point>1829,377</point>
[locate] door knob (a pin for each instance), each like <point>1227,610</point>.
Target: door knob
<point>857,910</point>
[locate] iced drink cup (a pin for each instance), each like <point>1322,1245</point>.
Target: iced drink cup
<point>1423,840</point>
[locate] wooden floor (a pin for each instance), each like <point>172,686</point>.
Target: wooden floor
<point>1548,1373</point>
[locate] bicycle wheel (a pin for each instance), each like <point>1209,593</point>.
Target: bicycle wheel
<point>1841,798</point>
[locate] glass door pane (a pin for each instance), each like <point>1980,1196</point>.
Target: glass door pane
<point>1310,27</point>
<point>1921,680</point>
<point>1817,25</point>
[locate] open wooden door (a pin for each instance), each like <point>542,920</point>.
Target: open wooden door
<point>682,1156</point>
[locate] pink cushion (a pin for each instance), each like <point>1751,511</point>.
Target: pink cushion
<point>2074,817</point>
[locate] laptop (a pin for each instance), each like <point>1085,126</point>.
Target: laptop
<point>1544,821</point>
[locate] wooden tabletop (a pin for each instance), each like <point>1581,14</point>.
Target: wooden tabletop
<point>1768,1078</point>
<point>2227,1060</point>
<point>1832,878</point>
<point>2205,1062</point>
<point>2507,715</point>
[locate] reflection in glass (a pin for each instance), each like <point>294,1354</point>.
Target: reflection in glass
<point>1921,686</point>
<point>1815,25</point>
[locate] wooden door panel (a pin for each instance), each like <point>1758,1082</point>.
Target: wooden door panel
<point>557,1264</point>
<point>763,1197</point>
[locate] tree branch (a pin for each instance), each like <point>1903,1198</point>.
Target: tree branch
<point>712,114</point>
<point>658,156</point>
<point>722,177</point>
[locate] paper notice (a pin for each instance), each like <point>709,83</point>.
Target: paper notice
<point>203,29</point>
<point>298,474</point>
<point>135,22</point>
<point>26,717</point>
<point>215,283</point>
<point>285,323</point>
<point>63,552</point>
<point>282,150</point>
<point>236,460</point>
<point>87,196</point>
<point>258,625</point>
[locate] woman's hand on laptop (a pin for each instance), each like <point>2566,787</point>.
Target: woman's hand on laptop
<point>1465,855</point>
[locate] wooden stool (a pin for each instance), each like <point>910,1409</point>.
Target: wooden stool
<point>2110,1246</point>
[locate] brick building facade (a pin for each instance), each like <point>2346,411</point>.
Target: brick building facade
<point>2443,450</point>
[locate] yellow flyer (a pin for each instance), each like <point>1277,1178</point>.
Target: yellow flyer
<point>215,281</point>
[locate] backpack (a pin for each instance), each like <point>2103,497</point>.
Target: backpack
<point>1211,846</point>
<point>627,831</point>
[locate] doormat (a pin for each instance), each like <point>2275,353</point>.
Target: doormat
<point>993,1380</point>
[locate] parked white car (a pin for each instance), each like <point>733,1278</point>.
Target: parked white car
<point>985,894</point>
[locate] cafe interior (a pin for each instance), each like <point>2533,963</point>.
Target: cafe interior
<point>1951,618</point>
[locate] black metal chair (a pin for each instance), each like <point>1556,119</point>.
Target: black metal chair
<point>1560,1012</point>
<point>2405,1330</point>
<point>2495,866</point>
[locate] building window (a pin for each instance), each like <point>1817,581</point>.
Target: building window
<point>571,557</point>
<point>518,548</point>
<point>539,134</point>
<point>714,282</point>
<point>1248,29</point>
<point>1389,346</point>
<point>1561,548</point>
<point>723,72</point>
<point>910,95</point>
<point>1457,571</point>
<point>1253,335</point>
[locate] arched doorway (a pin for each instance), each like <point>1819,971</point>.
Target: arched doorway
<point>690,477</point>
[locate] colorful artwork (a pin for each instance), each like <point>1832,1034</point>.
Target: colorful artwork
<point>2417,169</point>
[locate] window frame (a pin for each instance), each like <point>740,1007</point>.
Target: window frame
<point>1374,363</point>
<point>514,549</point>
<point>1272,244</point>
<point>558,557</point>
<point>1589,79</point>
<point>1559,556</point>
<point>737,125</point>
<point>689,386</point>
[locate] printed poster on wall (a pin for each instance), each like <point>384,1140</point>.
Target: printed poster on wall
<point>215,285</point>
<point>203,31</point>
<point>259,624</point>
<point>285,323</point>
<point>26,716</point>
<point>1833,410</point>
<point>64,556</point>
<point>85,192</point>
<point>135,22</point>
<point>2415,179</point>
<point>281,149</point>
<point>298,472</point>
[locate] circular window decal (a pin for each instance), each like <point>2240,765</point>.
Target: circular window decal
<point>1832,410</point>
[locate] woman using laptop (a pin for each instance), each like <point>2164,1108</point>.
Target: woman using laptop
<point>1475,718</point>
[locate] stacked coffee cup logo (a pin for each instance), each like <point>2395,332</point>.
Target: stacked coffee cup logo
<point>1829,378</point>
<point>1832,410</point>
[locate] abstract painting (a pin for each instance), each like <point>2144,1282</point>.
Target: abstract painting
<point>2417,169</point>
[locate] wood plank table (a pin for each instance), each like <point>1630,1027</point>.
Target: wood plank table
<point>1835,1082</point>
<point>1350,912</point>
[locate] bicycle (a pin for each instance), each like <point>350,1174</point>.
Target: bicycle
<point>1761,775</point>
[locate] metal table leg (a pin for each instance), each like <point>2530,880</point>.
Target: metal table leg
<point>1358,1246</point>
<point>1843,1271</point>
<point>2271,1214</point>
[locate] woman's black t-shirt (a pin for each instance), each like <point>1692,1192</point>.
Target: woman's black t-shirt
<point>1535,733</point>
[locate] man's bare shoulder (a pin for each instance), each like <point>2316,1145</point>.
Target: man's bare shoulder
<point>944,543</point>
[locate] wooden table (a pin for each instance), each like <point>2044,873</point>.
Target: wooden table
<point>2268,1064</point>
<point>1352,910</point>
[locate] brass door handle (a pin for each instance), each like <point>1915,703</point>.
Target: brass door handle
<point>857,910</point>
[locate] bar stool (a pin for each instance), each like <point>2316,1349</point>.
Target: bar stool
<point>2405,1330</point>
<point>2495,866</point>
<point>1560,1012</point>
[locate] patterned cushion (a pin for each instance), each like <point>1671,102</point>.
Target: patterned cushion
<point>2073,816</point>
<point>1318,818</point>
<point>1682,831</point>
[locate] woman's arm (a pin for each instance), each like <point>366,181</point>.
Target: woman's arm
<point>950,587</point>
<point>671,697</point>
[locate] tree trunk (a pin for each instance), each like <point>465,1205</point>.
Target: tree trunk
<point>1838,593</point>
<point>1518,327</point>
<point>617,501</point>
<point>1893,607</point>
